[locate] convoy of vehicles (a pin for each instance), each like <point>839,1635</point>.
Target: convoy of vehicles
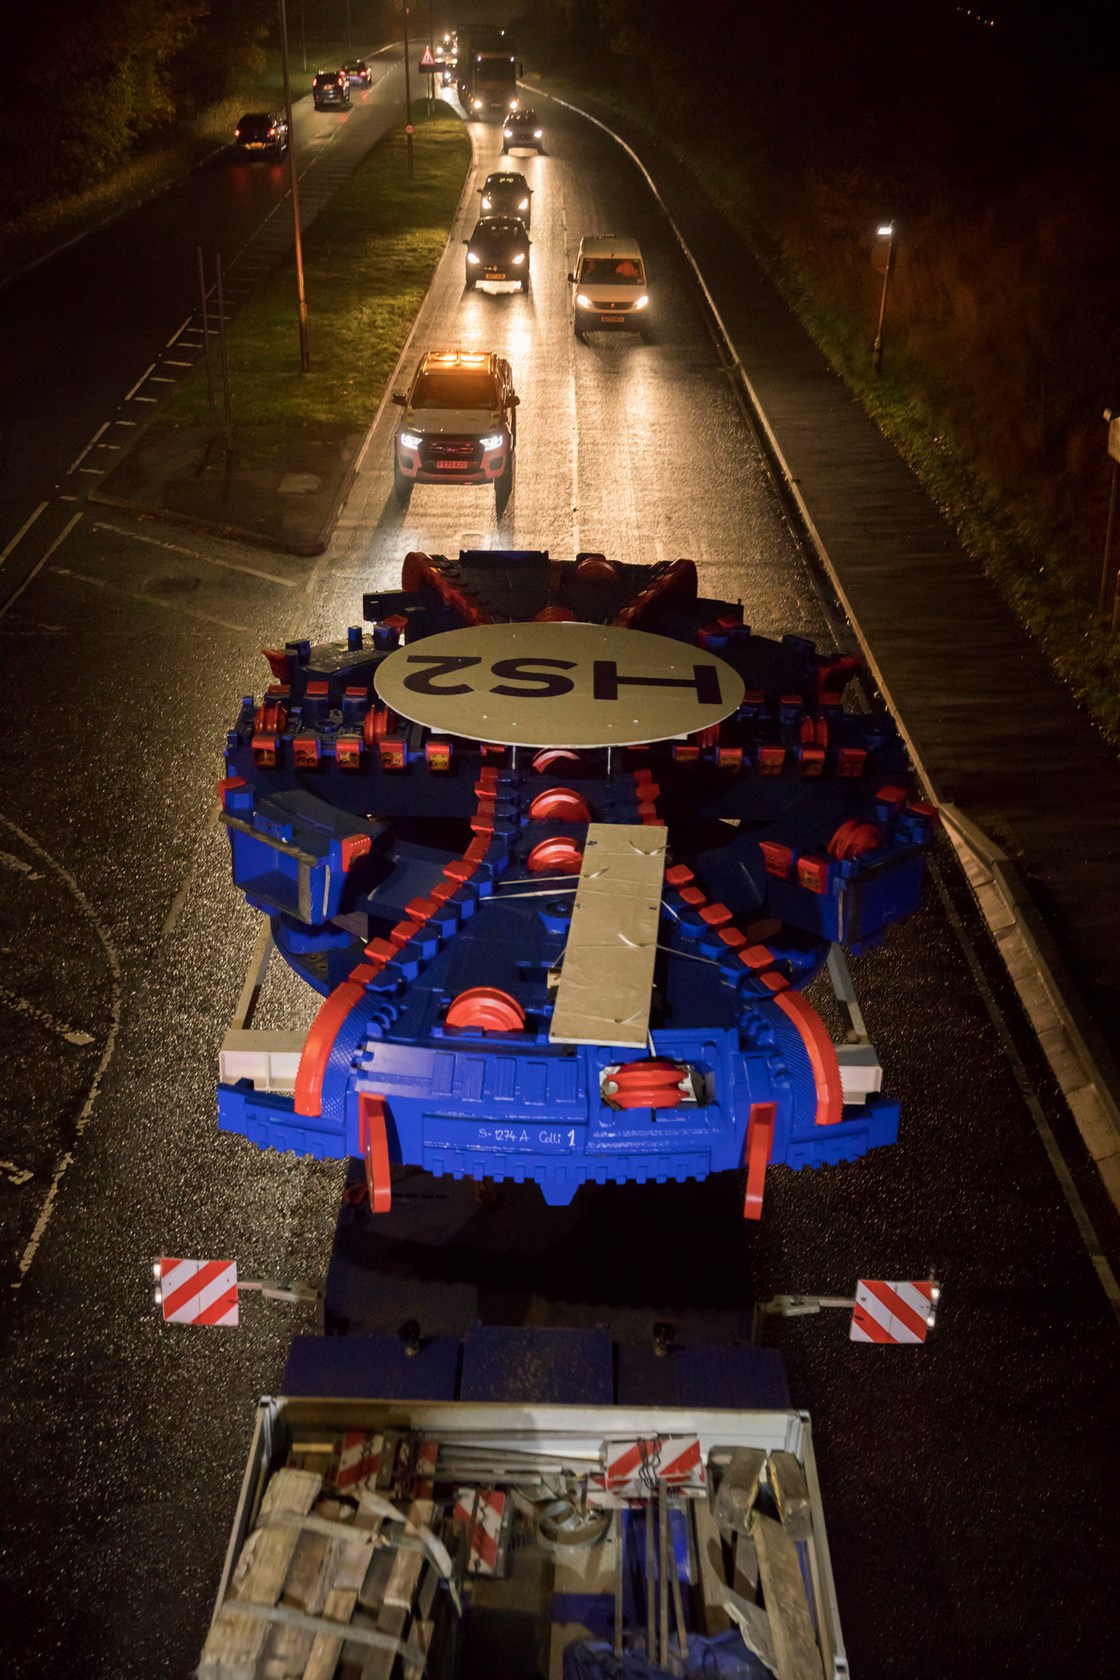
<point>610,288</point>
<point>561,845</point>
<point>459,424</point>
<point>262,134</point>
<point>506,193</point>
<point>498,250</point>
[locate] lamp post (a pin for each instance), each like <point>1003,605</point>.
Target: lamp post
<point>884,231</point>
<point>1112,415</point>
<point>407,92</point>
<point>293,183</point>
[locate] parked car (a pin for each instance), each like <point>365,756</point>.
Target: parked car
<point>498,249</point>
<point>459,424</point>
<point>610,287</point>
<point>357,70</point>
<point>262,134</point>
<point>505,193</point>
<point>331,90</point>
<point>523,129</point>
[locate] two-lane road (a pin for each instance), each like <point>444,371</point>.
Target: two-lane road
<point>968,1485</point>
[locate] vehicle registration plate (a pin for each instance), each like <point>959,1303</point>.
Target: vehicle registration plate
<point>495,274</point>
<point>452,466</point>
<point>612,320</point>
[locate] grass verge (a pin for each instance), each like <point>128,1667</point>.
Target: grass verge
<point>1051,588</point>
<point>368,260</point>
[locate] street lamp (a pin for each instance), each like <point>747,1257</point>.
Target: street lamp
<point>885,230</point>
<point>293,183</point>
<point>407,92</point>
<point>1112,416</point>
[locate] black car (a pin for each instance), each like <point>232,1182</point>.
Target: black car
<point>357,70</point>
<point>262,134</point>
<point>498,249</point>
<point>523,129</point>
<point>331,90</point>
<point>505,193</point>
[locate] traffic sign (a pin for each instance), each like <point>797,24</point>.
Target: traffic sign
<point>558,685</point>
<point>428,61</point>
<point>408,128</point>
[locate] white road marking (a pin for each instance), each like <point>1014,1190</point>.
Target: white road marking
<point>149,600</point>
<point>145,399</point>
<point>162,379</point>
<point>179,333</point>
<point>22,532</point>
<point>50,1023</point>
<point>15,1175</point>
<point>8,860</point>
<point>78,459</point>
<point>139,382</point>
<point>80,1125</point>
<point>126,422</point>
<point>38,566</point>
<point>171,361</point>
<point>193,554</point>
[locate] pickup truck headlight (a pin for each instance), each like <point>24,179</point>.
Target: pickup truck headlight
<point>640,303</point>
<point>520,257</point>
<point>487,204</point>
<point>537,133</point>
<point>524,205</point>
<point>471,258</point>
<point>494,441</point>
<point>507,134</point>
<point>409,440</point>
<point>476,104</point>
<point>583,301</point>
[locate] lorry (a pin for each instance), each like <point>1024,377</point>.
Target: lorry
<point>560,844</point>
<point>524,1501</point>
<point>487,70</point>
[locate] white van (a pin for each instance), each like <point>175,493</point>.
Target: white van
<point>610,287</point>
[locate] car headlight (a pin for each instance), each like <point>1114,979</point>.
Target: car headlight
<point>494,441</point>
<point>488,204</point>
<point>507,134</point>
<point>640,303</point>
<point>520,257</point>
<point>582,301</point>
<point>408,440</point>
<point>471,258</point>
<point>537,133</point>
<point>476,105</point>
<point>524,205</point>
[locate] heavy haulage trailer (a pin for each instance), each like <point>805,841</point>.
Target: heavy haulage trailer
<point>561,845</point>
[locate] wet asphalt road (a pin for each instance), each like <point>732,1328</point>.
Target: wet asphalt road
<point>970,1487</point>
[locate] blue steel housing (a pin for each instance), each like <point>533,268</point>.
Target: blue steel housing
<point>404,879</point>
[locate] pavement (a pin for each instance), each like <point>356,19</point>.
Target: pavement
<point>1027,786</point>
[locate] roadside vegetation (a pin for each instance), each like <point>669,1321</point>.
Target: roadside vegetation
<point>368,259</point>
<point>106,101</point>
<point>986,136</point>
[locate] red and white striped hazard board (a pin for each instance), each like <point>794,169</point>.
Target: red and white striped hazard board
<point>197,1291</point>
<point>483,1511</point>
<point>632,1469</point>
<point>356,1461</point>
<point>893,1312</point>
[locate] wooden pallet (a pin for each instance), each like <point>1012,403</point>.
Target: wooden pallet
<point>316,1594</point>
